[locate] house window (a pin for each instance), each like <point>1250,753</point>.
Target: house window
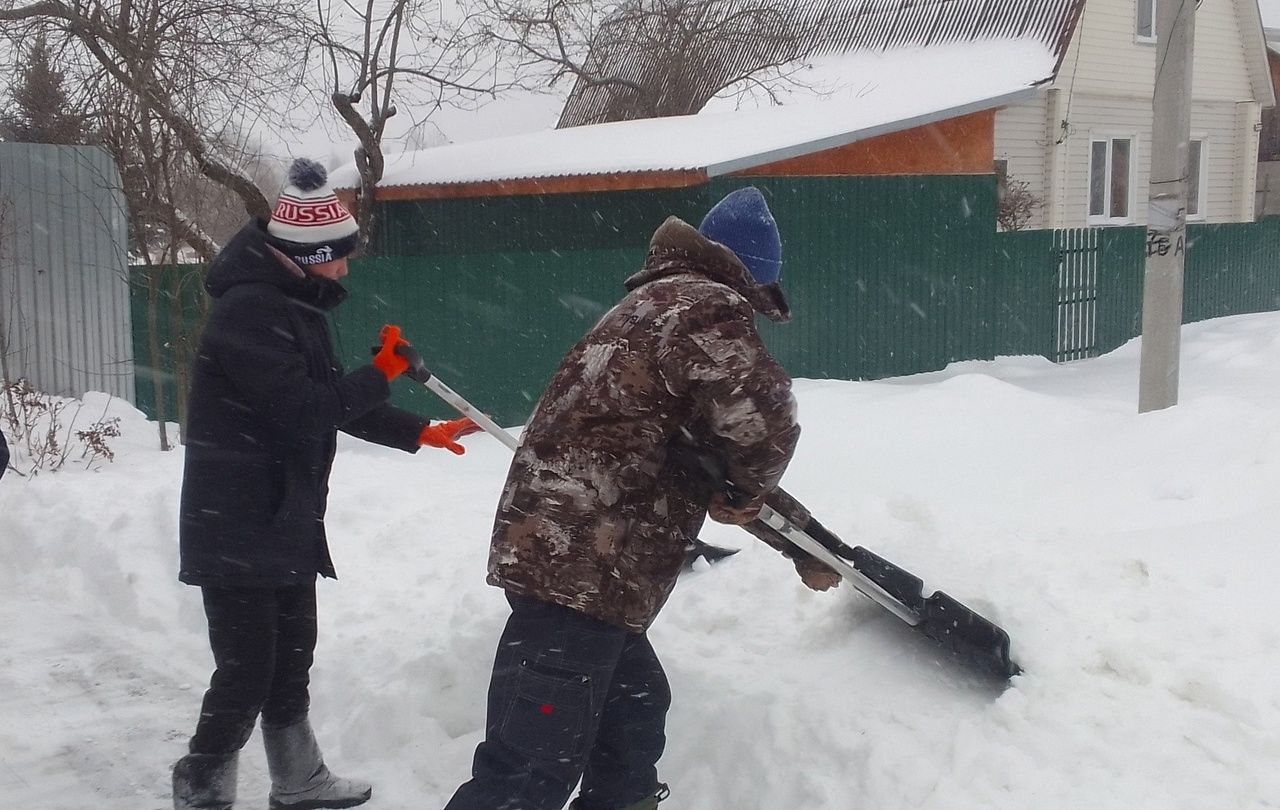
<point>1110,179</point>
<point>1145,29</point>
<point>1195,179</point>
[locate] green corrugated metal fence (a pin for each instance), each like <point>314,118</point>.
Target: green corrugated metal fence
<point>1232,269</point>
<point>1024,275</point>
<point>886,276</point>
<point>491,326</point>
<point>1120,282</point>
<point>176,308</point>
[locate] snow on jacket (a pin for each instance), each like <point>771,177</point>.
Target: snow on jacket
<point>594,516</point>
<point>267,399</point>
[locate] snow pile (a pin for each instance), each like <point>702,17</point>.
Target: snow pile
<point>1129,557</point>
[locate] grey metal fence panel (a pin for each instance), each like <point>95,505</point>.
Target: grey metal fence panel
<point>65,321</point>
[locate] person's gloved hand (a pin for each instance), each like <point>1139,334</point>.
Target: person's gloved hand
<point>815,575</point>
<point>722,511</point>
<point>395,356</point>
<point>446,434</point>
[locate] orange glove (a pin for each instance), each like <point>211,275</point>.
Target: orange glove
<point>388,360</point>
<point>446,434</point>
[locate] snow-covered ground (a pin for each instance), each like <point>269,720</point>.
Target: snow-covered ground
<point>1131,558</point>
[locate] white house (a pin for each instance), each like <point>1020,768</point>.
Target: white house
<point>1083,146</point>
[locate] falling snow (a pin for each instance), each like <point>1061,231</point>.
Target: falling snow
<point>1129,556</point>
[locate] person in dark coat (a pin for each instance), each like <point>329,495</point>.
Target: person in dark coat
<point>267,400</point>
<point>596,516</point>
<point>4,455</point>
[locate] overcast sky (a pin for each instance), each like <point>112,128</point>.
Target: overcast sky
<point>1270,13</point>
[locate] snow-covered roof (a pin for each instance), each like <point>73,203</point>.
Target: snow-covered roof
<point>728,41</point>
<point>879,93</point>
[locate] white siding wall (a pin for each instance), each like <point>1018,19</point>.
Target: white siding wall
<point>1226,147</point>
<point>1104,57</point>
<point>1248,133</point>
<point>1020,139</point>
<point>1104,87</point>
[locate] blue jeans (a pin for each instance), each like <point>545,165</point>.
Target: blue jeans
<point>571,697</point>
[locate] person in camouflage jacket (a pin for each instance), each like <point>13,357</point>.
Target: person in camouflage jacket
<point>598,512</point>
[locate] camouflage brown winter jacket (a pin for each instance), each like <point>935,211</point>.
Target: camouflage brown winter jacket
<point>594,515</point>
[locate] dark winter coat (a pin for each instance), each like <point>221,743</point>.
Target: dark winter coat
<point>594,515</point>
<point>267,399</point>
<point>4,455</point>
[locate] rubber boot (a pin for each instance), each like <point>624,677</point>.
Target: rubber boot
<point>205,782</point>
<point>299,778</point>
<point>647,803</point>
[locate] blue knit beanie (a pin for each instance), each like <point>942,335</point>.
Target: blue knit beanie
<point>742,223</point>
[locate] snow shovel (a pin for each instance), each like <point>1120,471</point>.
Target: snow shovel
<point>418,372</point>
<point>962,632</point>
<point>978,642</point>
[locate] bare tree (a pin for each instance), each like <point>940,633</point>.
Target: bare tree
<point>192,66</point>
<point>384,57</point>
<point>176,213</point>
<point>164,85</point>
<point>202,73</point>
<point>649,58</point>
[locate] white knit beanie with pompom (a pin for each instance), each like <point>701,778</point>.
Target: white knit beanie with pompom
<point>309,223</point>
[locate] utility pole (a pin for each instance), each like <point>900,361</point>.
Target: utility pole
<point>1167,210</point>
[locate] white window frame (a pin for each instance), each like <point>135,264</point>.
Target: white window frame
<point>1106,218</point>
<point>1138,22</point>
<point>1202,180</point>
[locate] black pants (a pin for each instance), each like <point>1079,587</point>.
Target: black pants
<point>571,697</point>
<point>263,642</point>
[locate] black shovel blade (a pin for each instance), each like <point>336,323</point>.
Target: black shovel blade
<point>979,642</point>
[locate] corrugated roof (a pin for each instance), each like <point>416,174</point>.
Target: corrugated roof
<point>896,90</point>
<point>729,39</point>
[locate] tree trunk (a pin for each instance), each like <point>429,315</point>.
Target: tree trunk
<point>153,349</point>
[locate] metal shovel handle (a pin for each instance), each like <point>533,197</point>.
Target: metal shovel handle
<point>466,409</point>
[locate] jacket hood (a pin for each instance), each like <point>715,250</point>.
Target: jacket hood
<point>248,259</point>
<point>677,247</point>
